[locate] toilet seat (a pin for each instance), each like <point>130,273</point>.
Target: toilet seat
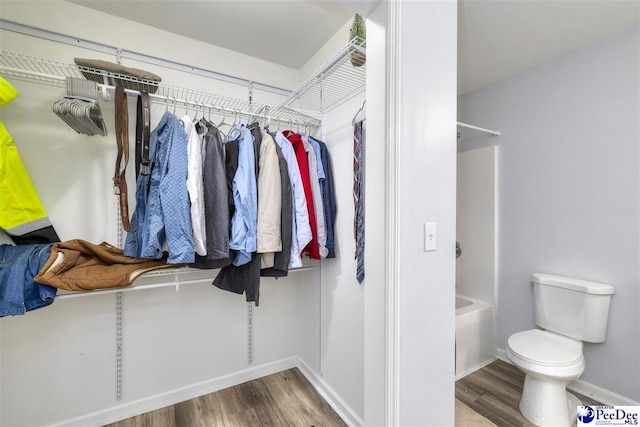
<point>543,348</point>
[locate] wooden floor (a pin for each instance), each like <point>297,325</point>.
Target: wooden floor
<point>283,399</point>
<point>494,393</point>
<point>487,397</point>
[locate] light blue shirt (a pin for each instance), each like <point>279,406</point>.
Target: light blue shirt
<point>167,218</point>
<point>300,225</point>
<point>316,150</point>
<point>244,223</point>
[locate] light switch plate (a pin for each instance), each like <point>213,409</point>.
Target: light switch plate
<point>429,236</point>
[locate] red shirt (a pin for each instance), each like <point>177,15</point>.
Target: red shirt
<point>312,247</point>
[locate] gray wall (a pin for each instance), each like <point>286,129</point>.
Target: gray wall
<point>569,190</point>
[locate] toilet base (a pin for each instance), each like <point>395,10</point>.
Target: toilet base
<point>547,403</point>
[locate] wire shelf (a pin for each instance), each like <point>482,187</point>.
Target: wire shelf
<point>341,77</point>
<point>49,71</point>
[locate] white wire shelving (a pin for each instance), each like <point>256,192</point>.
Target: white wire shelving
<point>54,72</point>
<point>179,279</point>
<point>340,78</point>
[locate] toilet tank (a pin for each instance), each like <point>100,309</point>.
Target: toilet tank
<point>572,307</point>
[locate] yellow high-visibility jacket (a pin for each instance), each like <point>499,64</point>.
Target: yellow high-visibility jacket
<point>22,215</point>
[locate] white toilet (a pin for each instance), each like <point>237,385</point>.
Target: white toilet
<point>569,311</point>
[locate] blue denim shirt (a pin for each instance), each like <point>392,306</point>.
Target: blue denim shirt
<point>18,266</point>
<point>133,242</point>
<point>244,222</point>
<point>327,188</point>
<point>167,215</point>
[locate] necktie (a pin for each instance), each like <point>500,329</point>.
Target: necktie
<point>358,199</point>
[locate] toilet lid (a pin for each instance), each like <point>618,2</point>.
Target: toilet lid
<point>545,348</point>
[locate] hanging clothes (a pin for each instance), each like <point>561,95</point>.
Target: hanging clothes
<point>301,229</point>
<point>358,197</point>
<point>164,216</point>
<point>243,275</point>
<point>328,196</point>
<point>244,221</point>
<point>301,156</point>
<point>195,185</point>
<point>22,215</point>
<point>281,259</point>
<point>216,198</point>
<point>241,279</point>
<point>269,202</point>
<point>315,166</point>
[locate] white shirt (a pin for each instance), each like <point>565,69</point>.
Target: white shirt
<point>195,186</point>
<point>301,229</point>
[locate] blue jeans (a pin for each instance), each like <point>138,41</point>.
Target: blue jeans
<point>18,266</point>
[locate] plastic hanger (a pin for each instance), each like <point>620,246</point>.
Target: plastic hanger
<point>223,122</point>
<point>235,120</point>
<point>79,109</point>
<point>354,121</point>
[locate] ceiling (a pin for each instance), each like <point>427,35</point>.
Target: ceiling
<point>496,38</point>
<point>286,32</point>
<point>499,38</point>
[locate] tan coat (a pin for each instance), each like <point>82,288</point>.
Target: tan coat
<point>77,265</point>
<point>269,202</point>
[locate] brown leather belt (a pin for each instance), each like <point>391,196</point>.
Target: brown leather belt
<point>142,135</point>
<point>122,139</point>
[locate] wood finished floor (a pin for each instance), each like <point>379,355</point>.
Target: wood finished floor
<point>491,394</point>
<point>494,392</point>
<point>282,399</point>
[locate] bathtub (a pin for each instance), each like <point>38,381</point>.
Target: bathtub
<point>475,336</point>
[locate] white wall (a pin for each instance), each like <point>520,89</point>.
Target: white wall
<point>569,190</point>
<point>426,186</point>
<point>376,285</point>
<point>476,223</point>
<point>343,296</point>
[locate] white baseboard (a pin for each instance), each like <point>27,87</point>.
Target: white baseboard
<point>131,409</point>
<point>585,388</point>
<point>475,368</point>
<point>600,394</point>
<point>333,399</point>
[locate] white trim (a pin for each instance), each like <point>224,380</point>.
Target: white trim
<point>502,355</point>
<point>585,388</point>
<point>475,368</point>
<point>141,406</point>
<point>600,394</point>
<point>392,317</point>
<point>334,400</point>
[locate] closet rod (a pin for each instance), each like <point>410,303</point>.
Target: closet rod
<point>492,132</point>
<point>176,284</point>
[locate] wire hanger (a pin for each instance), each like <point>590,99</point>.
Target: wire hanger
<point>354,121</point>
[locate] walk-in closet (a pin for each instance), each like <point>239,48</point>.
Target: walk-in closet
<point>345,323</point>
<point>171,336</point>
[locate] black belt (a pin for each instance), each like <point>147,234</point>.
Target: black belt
<point>142,135</point>
<point>122,139</point>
